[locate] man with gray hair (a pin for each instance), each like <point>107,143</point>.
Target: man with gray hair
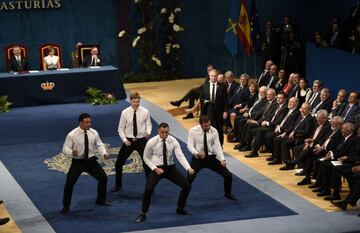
<point>325,102</point>
<point>231,84</point>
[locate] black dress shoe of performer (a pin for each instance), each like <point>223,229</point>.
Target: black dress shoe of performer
<point>176,103</point>
<point>325,192</point>
<point>305,181</point>
<point>104,203</point>
<point>188,116</point>
<point>230,197</point>
<point>252,155</point>
<point>245,148</point>
<point>340,204</point>
<point>269,159</point>
<point>333,197</point>
<point>182,212</point>
<point>275,161</point>
<point>116,188</point>
<point>4,221</point>
<point>140,218</point>
<point>65,210</point>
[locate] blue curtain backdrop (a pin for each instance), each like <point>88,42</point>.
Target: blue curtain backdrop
<point>89,21</point>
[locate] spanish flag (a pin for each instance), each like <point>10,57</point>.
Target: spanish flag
<point>244,29</point>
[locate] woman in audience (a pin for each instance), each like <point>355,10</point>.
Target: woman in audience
<point>281,81</point>
<point>304,91</point>
<point>51,61</point>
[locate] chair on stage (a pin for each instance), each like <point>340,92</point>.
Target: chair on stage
<point>9,53</point>
<point>85,49</point>
<point>43,52</point>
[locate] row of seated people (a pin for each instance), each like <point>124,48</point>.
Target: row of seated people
<point>296,124</point>
<point>50,57</point>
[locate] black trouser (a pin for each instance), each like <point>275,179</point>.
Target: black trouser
<point>191,96</point>
<point>259,137</point>
<point>282,148</point>
<point>215,165</point>
<point>172,174</point>
<point>324,174</point>
<point>125,152</point>
<point>94,169</point>
<point>354,194</point>
<point>337,172</point>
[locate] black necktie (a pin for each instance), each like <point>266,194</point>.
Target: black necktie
<point>164,154</point>
<point>135,130</point>
<point>86,143</point>
<point>206,151</point>
<point>213,93</point>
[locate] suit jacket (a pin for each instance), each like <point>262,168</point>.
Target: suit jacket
<point>240,96</point>
<point>335,140</point>
<point>264,78</point>
<point>268,112</point>
<point>258,109</point>
<point>87,61</point>
<point>279,116</point>
<point>272,81</point>
<point>354,152</point>
<point>324,105</point>
<point>323,134</point>
<point>350,117</point>
<point>290,121</point>
<point>279,86</point>
<point>316,101</point>
<point>339,109</point>
<point>231,91</point>
<point>220,104</point>
<point>303,129</point>
<point>16,67</point>
<point>344,148</point>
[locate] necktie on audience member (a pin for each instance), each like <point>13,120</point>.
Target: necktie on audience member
<point>135,129</point>
<point>86,145</point>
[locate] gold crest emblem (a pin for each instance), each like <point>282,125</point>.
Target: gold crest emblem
<point>48,86</point>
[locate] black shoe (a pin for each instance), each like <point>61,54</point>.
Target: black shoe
<point>302,173</point>
<point>325,192</point>
<point>314,186</point>
<point>287,167</point>
<point>188,116</point>
<point>1,201</point>
<point>65,210</point>
<point>269,159</point>
<point>238,146</point>
<point>230,197</point>
<point>318,190</point>
<point>182,212</point>
<point>245,148</point>
<point>333,197</point>
<point>340,204</point>
<point>305,181</point>
<point>104,203</point>
<point>140,218</point>
<point>176,103</point>
<point>290,162</point>
<point>275,161</point>
<point>4,221</point>
<point>116,188</point>
<point>252,155</point>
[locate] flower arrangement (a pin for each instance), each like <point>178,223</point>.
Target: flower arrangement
<point>98,97</point>
<point>4,104</point>
<point>156,40</point>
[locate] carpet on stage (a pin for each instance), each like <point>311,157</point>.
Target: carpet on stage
<point>31,135</point>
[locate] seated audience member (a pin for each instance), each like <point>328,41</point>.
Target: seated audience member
<point>264,78</point>
<point>320,42</point>
<point>93,59</point>
<point>351,108</point>
<point>336,39</point>
<point>231,84</point>
<point>192,95</point>
<point>268,126</point>
<point>18,63</point>
<point>295,77</point>
<point>51,61</point>
<point>221,78</point>
<point>75,61</point>
<point>273,76</point>
<point>279,85</point>
<point>339,104</point>
<point>325,102</point>
<point>304,92</point>
<point>315,96</point>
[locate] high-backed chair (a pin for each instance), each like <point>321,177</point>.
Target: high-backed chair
<point>43,52</point>
<point>9,52</point>
<point>84,50</point>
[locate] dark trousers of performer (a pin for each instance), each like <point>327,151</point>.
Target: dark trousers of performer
<point>124,153</point>
<point>94,169</point>
<point>213,164</point>
<point>172,174</point>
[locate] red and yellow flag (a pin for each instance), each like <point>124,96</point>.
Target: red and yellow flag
<point>243,30</point>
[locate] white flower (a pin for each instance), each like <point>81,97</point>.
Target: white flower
<point>141,30</point>
<point>177,28</point>
<point>156,60</point>
<point>176,46</point>
<point>168,48</point>
<point>121,34</point>
<point>163,10</point>
<point>177,9</point>
<point>135,41</point>
<point>171,18</point>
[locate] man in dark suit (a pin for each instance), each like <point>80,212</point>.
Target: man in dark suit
<point>351,107</point>
<point>295,77</point>
<point>214,103</point>
<point>302,129</point>
<point>320,133</point>
<point>273,77</point>
<point>336,39</point>
<point>93,59</point>
<point>339,103</point>
<point>231,84</point>
<point>264,78</point>
<point>268,126</point>
<point>325,102</point>
<point>17,62</point>
<point>285,126</point>
<point>315,96</point>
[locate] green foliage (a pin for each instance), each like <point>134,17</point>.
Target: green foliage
<point>98,97</point>
<point>4,104</point>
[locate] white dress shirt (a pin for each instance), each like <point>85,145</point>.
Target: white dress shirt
<point>75,140</point>
<point>153,153</point>
<point>196,142</point>
<point>51,61</point>
<point>143,121</point>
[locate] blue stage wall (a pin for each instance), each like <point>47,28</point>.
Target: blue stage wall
<point>89,21</point>
<point>336,68</point>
